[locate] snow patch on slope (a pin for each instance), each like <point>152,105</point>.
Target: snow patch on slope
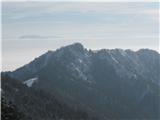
<point>30,82</point>
<point>123,52</point>
<point>114,59</point>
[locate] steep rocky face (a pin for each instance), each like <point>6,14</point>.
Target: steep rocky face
<point>115,84</point>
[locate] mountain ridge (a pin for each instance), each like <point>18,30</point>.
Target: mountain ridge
<point>81,46</point>
<point>112,83</point>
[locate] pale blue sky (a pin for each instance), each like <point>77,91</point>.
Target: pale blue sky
<point>31,28</point>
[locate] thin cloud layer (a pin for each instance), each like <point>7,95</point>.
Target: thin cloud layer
<point>20,10</point>
<point>37,37</point>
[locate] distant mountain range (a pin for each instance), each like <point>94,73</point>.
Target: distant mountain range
<point>104,84</point>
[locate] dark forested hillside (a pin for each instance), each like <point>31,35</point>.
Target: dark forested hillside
<point>9,111</point>
<point>31,104</point>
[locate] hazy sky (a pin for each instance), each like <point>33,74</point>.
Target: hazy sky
<point>29,29</point>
